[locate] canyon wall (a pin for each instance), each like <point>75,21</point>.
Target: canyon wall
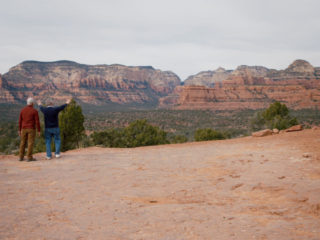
<point>256,87</point>
<point>93,84</point>
<point>247,87</point>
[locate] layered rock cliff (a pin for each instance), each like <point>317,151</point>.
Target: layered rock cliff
<point>5,95</point>
<point>208,78</point>
<point>247,87</point>
<point>94,84</point>
<point>298,86</point>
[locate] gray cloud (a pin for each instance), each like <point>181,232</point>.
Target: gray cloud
<point>183,36</point>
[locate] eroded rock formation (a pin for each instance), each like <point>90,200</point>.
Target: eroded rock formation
<point>247,87</point>
<point>208,78</point>
<point>298,86</point>
<point>95,84</point>
<point>5,95</point>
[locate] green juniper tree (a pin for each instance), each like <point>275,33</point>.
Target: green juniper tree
<point>276,116</point>
<point>141,133</point>
<point>71,122</point>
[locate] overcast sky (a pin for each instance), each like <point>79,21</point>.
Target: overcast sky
<point>184,36</point>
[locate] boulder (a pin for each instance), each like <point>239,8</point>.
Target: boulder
<point>294,128</point>
<point>275,131</point>
<point>262,133</point>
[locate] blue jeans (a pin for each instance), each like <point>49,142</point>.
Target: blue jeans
<point>48,134</point>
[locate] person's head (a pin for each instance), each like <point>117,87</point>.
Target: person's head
<point>49,102</point>
<point>30,101</point>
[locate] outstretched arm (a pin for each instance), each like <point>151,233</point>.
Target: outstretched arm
<point>60,108</point>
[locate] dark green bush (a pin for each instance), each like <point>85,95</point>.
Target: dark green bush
<point>99,138</point>
<point>178,139</point>
<point>138,133</point>
<point>276,116</point>
<point>9,138</point>
<point>71,122</point>
<point>208,134</point>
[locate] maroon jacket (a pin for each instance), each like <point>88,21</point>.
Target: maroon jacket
<point>29,118</point>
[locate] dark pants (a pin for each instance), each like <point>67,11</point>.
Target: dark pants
<point>27,135</point>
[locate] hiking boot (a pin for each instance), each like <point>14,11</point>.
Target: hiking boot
<point>58,156</point>
<point>20,159</point>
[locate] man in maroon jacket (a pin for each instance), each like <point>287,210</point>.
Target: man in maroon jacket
<point>28,122</point>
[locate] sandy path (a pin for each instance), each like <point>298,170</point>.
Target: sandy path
<point>248,188</point>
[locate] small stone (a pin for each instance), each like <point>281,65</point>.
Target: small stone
<point>301,199</point>
<point>306,155</point>
<point>237,186</point>
<point>275,130</point>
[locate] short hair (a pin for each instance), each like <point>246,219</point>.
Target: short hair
<point>30,101</point>
<point>49,101</point>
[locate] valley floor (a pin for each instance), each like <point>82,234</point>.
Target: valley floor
<point>245,188</point>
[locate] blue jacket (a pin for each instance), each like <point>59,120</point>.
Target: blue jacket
<point>51,115</point>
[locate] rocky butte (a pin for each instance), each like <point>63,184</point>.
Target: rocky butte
<point>252,87</point>
<point>94,84</point>
<point>208,78</point>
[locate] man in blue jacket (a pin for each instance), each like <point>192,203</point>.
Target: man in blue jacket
<point>51,123</point>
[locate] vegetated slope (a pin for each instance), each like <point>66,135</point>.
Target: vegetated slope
<point>246,188</point>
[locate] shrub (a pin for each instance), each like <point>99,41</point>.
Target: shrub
<point>114,138</point>
<point>98,138</point>
<point>138,133</point>
<point>178,139</point>
<point>276,116</point>
<point>9,138</point>
<point>208,134</point>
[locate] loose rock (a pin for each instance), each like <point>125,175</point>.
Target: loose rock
<point>275,130</point>
<point>262,133</point>
<point>294,128</point>
<point>306,155</point>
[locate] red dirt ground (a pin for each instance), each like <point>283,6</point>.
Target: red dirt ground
<point>246,188</point>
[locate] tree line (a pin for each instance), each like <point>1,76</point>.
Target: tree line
<point>137,133</point>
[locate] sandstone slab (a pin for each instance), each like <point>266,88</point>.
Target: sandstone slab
<point>294,128</point>
<point>262,133</point>
<point>246,188</point>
